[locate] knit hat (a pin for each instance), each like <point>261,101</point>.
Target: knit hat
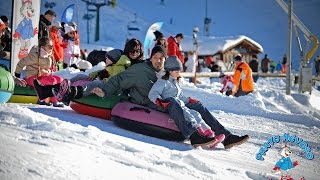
<point>160,49</point>
<point>68,28</point>
<point>2,25</point>
<point>114,55</point>
<point>238,57</point>
<point>158,35</point>
<point>173,64</point>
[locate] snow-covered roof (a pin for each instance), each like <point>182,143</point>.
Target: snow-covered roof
<point>211,45</point>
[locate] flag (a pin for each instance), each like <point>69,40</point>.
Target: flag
<point>67,14</point>
<point>150,37</point>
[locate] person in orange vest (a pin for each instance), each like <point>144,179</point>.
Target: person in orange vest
<point>57,44</point>
<point>174,47</point>
<point>243,81</point>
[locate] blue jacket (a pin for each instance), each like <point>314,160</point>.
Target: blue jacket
<point>164,89</point>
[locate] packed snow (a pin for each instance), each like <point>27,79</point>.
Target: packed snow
<point>41,142</point>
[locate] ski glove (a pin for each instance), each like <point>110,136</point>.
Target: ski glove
<point>193,101</point>
<point>162,103</point>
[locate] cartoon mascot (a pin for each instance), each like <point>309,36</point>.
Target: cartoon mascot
<point>284,164</point>
<point>25,30</point>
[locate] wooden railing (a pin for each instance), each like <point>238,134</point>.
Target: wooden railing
<point>217,74</point>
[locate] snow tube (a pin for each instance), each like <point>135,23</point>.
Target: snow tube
<point>95,106</point>
<point>24,95</point>
<point>145,121</point>
<point>6,85</point>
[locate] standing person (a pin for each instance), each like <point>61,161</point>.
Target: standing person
<point>45,22</point>
<point>57,44</point>
<point>168,87</point>
<point>190,64</point>
<point>160,39</point>
<point>317,65</point>
<point>138,81</point>
<point>254,65</point>
<point>2,44</point>
<point>174,47</point>
<point>71,51</point>
<point>279,68</point>
<point>272,66</point>
<point>40,64</point>
<point>76,32</point>
<point>243,81</point>
<point>284,64</point>
<point>265,64</point>
<point>6,36</point>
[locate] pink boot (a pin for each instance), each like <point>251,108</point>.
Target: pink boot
<point>218,140</point>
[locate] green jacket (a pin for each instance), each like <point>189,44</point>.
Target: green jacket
<point>123,63</point>
<point>137,80</point>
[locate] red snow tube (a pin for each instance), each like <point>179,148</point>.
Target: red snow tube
<point>145,121</point>
<point>95,106</point>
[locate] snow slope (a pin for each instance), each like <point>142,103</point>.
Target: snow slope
<point>39,142</point>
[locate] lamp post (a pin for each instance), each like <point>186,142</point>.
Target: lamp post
<point>196,44</point>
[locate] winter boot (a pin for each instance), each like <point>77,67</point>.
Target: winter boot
<point>233,140</point>
<point>198,139</point>
<point>57,104</point>
<point>43,92</point>
<point>65,93</point>
<point>43,102</point>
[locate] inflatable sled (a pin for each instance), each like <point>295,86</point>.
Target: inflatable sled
<point>145,121</point>
<point>95,106</point>
<point>24,95</point>
<point>6,85</point>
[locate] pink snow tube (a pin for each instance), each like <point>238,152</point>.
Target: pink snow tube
<point>145,121</point>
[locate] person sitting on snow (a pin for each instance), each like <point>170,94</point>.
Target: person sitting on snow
<point>138,81</point>
<point>168,87</point>
<point>227,82</point>
<point>40,64</point>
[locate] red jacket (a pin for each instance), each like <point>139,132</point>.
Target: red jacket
<point>57,45</point>
<point>174,50</point>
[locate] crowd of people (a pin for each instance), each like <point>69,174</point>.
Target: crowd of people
<point>152,82</point>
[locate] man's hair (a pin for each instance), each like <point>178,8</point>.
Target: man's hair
<point>50,12</point>
<point>179,35</point>
<point>4,18</point>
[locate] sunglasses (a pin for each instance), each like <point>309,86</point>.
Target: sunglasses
<point>49,46</point>
<point>70,32</point>
<point>136,51</point>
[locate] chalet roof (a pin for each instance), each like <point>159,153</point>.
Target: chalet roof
<point>212,45</point>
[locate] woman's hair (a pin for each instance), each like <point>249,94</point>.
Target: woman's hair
<point>158,42</point>
<point>132,45</point>
<point>44,41</point>
<point>167,75</point>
